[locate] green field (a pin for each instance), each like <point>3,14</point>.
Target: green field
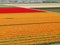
<point>51,43</point>
<point>56,9</point>
<point>5,6</point>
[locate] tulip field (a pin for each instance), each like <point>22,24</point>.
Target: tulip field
<point>25,26</point>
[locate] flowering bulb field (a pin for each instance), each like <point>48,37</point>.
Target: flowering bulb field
<point>21,26</point>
